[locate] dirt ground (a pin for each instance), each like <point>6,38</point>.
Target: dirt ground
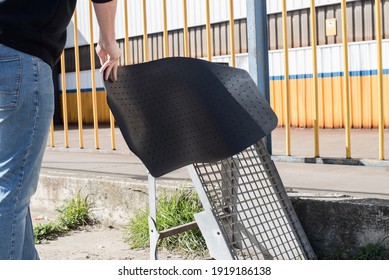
<point>103,241</point>
<point>97,243</point>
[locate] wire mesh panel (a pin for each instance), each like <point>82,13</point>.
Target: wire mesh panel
<point>252,208</point>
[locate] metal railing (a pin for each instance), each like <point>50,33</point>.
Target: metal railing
<point>127,62</point>
<point>346,85</point>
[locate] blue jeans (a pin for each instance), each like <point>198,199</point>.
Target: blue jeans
<point>26,111</point>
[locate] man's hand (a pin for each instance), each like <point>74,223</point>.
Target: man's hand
<point>109,58</point>
<point>107,48</point>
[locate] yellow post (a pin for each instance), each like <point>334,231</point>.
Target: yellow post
<point>208,30</point>
<point>286,74</point>
<point>346,81</point>
<point>165,31</point>
<point>379,80</point>
<point>232,34</point>
<point>77,64</point>
<point>126,43</point>
<point>186,31</point>
<point>64,102</point>
<point>112,125</point>
<point>315,86</point>
<point>52,144</point>
<point>145,37</point>
<point>93,77</point>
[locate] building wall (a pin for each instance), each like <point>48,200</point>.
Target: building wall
<point>362,50</point>
<point>360,24</point>
<point>363,81</point>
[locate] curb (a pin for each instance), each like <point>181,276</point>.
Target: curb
<point>335,224</point>
<point>114,200</point>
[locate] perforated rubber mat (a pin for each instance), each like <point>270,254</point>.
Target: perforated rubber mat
<point>178,111</point>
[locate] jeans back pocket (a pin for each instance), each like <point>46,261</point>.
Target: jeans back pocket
<point>10,78</point>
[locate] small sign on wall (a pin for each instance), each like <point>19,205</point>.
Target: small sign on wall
<point>331,27</point>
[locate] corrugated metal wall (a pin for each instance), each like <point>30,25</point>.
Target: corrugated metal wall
<point>363,75</point>
<point>197,44</point>
<point>275,6</point>
<point>360,25</point>
<point>219,12</point>
<point>360,16</point>
<point>331,97</point>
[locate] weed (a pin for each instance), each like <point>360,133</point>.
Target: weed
<point>172,210</point>
<point>373,251</point>
<point>75,212</point>
<point>72,214</point>
<point>48,231</point>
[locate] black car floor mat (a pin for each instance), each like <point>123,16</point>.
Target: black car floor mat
<point>178,111</point>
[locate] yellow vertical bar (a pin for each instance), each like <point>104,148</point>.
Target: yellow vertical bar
<point>145,37</point>
<point>286,80</point>
<point>93,78</point>
<point>315,86</point>
<point>112,125</point>
<point>208,30</point>
<point>232,34</point>
<point>346,81</point>
<point>380,80</point>
<point>165,31</point>
<point>77,64</point>
<point>126,40</point>
<point>127,62</point>
<point>64,102</point>
<point>52,144</point>
<point>186,30</point>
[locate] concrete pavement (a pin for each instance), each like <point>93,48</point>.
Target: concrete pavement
<point>366,181</point>
<point>116,183</point>
<point>116,180</point>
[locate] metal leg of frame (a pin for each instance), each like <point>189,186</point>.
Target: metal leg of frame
<point>209,227</point>
<point>154,234</point>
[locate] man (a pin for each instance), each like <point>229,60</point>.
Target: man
<point>32,37</point>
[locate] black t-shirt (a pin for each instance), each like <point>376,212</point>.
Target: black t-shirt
<point>36,27</point>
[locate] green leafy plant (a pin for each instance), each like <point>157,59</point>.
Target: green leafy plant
<point>172,210</point>
<point>73,214</point>
<point>373,251</point>
<point>48,231</point>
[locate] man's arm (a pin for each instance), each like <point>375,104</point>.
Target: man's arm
<point>107,48</point>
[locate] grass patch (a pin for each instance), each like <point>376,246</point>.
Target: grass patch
<point>48,231</point>
<point>373,251</point>
<point>73,214</point>
<point>172,210</point>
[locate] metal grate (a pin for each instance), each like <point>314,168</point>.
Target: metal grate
<point>252,208</point>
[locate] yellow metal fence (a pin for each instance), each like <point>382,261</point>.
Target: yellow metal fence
<point>310,96</point>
